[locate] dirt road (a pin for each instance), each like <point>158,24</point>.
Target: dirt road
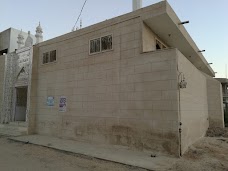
<point>208,154</point>
<point>26,157</point>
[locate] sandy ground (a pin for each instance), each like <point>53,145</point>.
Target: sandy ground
<point>208,154</point>
<point>16,156</point>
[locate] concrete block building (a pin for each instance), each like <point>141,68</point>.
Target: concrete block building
<point>224,82</point>
<point>137,80</point>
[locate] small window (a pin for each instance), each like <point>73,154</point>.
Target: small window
<point>53,56</point>
<point>106,43</point>
<point>160,45</point>
<point>95,46</point>
<point>101,44</point>
<point>49,57</point>
<point>45,57</point>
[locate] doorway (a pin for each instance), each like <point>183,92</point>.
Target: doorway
<point>21,104</point>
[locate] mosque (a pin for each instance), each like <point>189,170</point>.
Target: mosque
<point>16,64</point>
<point>137,80</point>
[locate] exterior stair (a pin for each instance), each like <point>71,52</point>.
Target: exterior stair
<point>14,129</point>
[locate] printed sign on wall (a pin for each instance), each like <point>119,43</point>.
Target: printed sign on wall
<point>50,101</point>
<point>62,104</point>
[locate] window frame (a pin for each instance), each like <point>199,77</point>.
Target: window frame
<point>101,43</point>
<point>49,57</point>
<point>55,55</point>
<point>101,51</point>
<point>90,45</point>
<point>46,57</point>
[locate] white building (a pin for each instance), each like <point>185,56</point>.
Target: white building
<point>15,65</point>
<point>8,40</point>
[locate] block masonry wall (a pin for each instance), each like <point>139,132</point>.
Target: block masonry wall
<point>2,75</point>
<point>119,97</point>
<point>149,39</point>
<point>193,103</point>
<point>215,102</point>
<point>33,96</point>
<point>123,96</point>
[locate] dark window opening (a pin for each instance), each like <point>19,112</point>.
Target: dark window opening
<point>3,51</point>
<point>49,57</point>
<point>53,56</point>
<point>160,45</point>
<point>45,58</point>
<point>106,43</point>
<point>101,44</point>
<point>95,46</point>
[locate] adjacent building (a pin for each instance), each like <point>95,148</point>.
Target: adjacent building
<point>9,38</point>
<point>137,80</point>
<point>15,75</point>
<point>224,82</point>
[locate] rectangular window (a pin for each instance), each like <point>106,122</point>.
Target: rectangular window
<point>49,57</point>
<point>95,46</point>
<point>45,57</point>
<point>53,56</point>
<point>106,43</point>
<point>101,44</point>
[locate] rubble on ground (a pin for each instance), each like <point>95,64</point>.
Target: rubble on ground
<point>217,132</point>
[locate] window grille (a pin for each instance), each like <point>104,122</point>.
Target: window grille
<point>49,57</point>
<point>106,43</point>
<point>95,46</point>
<point>45,58</point>
<point>101,44</point>
<point>53,56</point>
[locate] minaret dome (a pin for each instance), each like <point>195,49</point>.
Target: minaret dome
<point>39,34</point>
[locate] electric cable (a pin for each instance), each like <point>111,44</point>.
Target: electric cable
<point>80,14</point>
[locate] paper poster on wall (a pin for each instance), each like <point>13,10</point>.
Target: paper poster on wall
<point>62,104</point>
<point>50,101</point>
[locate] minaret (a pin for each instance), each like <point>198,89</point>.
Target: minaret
<point>20,40</point>
<point>136,4</point>
<point>39,36</point>
<point>29,40</point>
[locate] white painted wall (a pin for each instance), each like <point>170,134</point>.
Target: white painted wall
<point>13,38</point>
<point>4,39</point>
<point>8,39</point>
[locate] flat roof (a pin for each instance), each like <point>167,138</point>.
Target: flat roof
<point>166,26</point>
<point>164,22</point>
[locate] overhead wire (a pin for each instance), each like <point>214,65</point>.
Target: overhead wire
<point>80,14</point>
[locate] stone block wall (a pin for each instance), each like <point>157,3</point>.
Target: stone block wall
<point>120,97</point>
<point>32,95</point>
<point>2,75</point>
<point>124,96</point>
<point>193,103</point>
<point>215,102</point>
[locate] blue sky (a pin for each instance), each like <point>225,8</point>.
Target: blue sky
<point>208,20</point>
